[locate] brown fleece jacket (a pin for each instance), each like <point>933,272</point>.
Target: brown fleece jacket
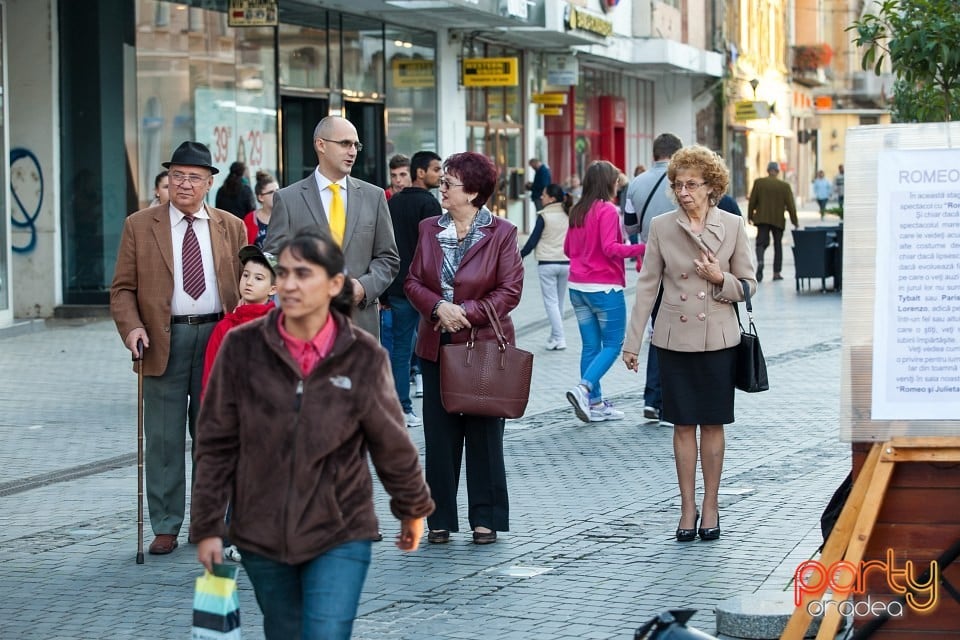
<point>291,452</point>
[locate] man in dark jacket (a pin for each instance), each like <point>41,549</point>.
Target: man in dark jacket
<point>769,198</point>
<point>407,209</point>
<point>541,180</point>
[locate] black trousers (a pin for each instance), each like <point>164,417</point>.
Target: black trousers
<point>763,241</point>
<point>445,436</point>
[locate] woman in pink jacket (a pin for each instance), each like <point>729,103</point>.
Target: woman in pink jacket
<point>595,246</point>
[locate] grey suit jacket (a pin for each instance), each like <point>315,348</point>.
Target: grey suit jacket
<point>695,315</point>
<point>369,247</point>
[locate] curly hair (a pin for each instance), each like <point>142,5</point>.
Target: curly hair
<point>710,165</point>
<point>477,172</point>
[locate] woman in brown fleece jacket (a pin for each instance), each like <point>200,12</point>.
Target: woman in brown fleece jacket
<point>295,402</point>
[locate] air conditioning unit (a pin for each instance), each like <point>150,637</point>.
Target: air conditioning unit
<point>867,84</point>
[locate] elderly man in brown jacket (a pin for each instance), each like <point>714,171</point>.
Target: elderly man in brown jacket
<point>769,198</point>
<point>177,271</point>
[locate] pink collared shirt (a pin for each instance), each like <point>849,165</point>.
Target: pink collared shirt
<point>309,353</point>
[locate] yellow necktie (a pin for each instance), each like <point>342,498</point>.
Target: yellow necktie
<point>337,216</point>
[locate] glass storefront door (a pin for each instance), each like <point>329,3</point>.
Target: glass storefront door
<point>503,143</point>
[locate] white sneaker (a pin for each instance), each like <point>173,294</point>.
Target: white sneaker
<point>581,403</point>
<point>664,423</point>
<point>418,386</point>
<point>412,420</point>
<point>651,414</point>
<point>604,411</point>
<point>231,553</point>
<point>556,345</point>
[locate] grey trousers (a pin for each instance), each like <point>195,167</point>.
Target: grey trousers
<point>171,403</point>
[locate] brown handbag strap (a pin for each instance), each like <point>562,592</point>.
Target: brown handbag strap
<point>494,321</point>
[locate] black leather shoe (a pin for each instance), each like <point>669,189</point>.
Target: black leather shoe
<point>710,533</point>
<point>438,536</point>
<point>688,535</point>
<point>484,537</point>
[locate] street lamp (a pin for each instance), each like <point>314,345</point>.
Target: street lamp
<point>754,84</point>
<point>671,625</point>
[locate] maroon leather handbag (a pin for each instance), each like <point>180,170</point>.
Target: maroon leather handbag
<point>486,377</point>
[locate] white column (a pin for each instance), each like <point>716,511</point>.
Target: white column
<point>451,97</point>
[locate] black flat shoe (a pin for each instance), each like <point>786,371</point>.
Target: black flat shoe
<point>710,533</point>
<point>484,537</point>
<point>688,535</point>
<point>438,536</point>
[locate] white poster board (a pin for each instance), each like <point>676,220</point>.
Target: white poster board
<point>916,359</point>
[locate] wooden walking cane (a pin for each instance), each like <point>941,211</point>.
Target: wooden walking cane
<point>139,360</point>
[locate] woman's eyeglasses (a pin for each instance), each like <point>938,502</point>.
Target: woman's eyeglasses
<point>446,184</point>
<point>691,186</point>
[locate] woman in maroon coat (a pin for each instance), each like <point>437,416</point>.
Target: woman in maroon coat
<point>463,256</point>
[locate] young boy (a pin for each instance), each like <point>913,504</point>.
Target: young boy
<point>258,283</point>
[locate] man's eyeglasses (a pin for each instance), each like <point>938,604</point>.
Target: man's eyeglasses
<point>346,144</point>
<point>446,184</point>
<point>691,186</point>
<point>266,193</point>
<point>179,178</point>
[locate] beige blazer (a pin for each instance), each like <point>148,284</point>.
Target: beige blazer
<point>369,246</point>
<point>142,288</point>
<point>694,315</point>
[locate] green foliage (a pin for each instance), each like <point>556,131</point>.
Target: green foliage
<point>920,38</point>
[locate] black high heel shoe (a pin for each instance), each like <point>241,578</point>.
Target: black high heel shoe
<point>710,533</point>
<point>688,535</point>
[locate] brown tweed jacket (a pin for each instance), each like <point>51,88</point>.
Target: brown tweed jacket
<point>142,288</point>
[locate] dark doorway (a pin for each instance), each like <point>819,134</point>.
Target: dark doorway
<point>300,115</point>
<point>368,119</point>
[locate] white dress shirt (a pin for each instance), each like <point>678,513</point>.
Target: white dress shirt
<point>326,195</point>
<point>209,302</point>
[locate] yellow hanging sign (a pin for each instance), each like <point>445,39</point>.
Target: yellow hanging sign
<point>490,72</point>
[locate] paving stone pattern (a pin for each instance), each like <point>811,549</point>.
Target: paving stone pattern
<point>591,552</point>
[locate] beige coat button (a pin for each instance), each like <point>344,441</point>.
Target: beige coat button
<point>701,316</point>
<point>683,276</point>
<point>702,295</point>
<point>683,318</point>
<point>683,297</point>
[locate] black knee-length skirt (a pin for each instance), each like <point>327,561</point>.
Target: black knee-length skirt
<point>697,387</point>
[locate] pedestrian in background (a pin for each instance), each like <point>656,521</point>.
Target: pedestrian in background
<point>647,198</point>
<point>822,188</point>
<point>838,181</point>
<point>769,199</point>
<point>696,257</point>
<point>161,189</point>
<point>235,195</point>
<point>464,256</point>
<point>573,188</point>
<point>352,211</point>
<point>258,221</point>
<point>172,309</point>
<point>296,401</point>
<point>400,177</point>
<point>596,248</point>
<point>541,178</point>
<point>407,210</point>
<point>553,266</point>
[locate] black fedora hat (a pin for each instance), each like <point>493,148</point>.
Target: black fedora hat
<point>192,154</point>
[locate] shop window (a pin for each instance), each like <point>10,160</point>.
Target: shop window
<point>411,90</point>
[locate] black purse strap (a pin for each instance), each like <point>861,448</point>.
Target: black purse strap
<point>749,305</point>
<point>643,212</point>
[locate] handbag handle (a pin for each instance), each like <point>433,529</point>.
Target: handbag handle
<point>494,320</point>
<point>749,305</point>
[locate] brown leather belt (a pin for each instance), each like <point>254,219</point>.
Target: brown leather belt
<point>197,319</point>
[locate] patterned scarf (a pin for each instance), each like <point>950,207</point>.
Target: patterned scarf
<point>454,249</point>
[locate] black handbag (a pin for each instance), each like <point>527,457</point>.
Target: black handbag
<point>751,367</point>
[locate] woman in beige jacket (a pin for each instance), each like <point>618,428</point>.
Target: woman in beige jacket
<point>699,254</point>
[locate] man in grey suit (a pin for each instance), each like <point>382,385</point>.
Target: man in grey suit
<point>368,244</point>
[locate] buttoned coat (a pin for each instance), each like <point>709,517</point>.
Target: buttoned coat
<point>490,270</point>
<point>695,315</point>
<point>769,198</point>
<point>369,247</point>
<point>142,290</point>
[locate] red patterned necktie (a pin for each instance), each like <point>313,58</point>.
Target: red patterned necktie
<point>193,282</point>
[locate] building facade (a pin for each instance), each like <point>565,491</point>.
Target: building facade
<point>99,93</point>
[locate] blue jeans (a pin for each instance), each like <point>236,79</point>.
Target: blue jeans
<point>386,331</point>
<point>316,600</point>
<point>404,325</point>
<point>602,318</point>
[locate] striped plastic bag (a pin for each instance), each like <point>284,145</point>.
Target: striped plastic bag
<point>216,605</point>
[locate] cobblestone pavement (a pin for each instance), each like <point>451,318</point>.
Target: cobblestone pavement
<point>590,553</point>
